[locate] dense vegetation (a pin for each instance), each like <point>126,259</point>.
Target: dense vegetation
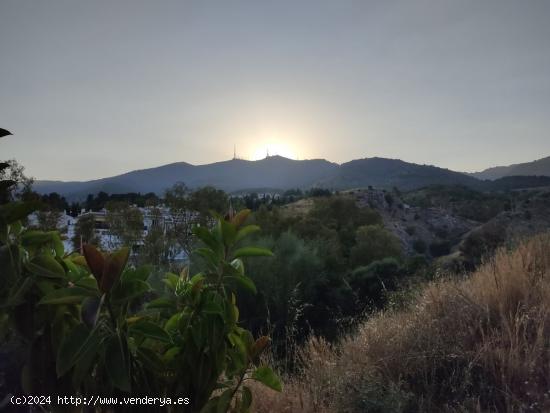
<point>462,201</point>
<point>479,344</point>
<point>326,259</point>
<point>92,325</point>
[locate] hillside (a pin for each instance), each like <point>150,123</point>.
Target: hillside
<point>470,344</point>
<point>540,167</point>
<point>275,172</point>
<point>388,173</point>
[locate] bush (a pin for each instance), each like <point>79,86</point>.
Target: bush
<point>483,242</point>
<point>374,242</point>
<point>91,325</point>
<point>370,283</point>
<point>477,344</point>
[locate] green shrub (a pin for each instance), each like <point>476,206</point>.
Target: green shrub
<point>373,242</point>
<point>370,283</point>
<point>483,241</point>
<point>91,325</point>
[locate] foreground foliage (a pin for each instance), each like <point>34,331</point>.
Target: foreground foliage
<point>480,344</point>
<point>91,325</point>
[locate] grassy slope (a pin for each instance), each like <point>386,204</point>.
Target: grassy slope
<point>477,344</point>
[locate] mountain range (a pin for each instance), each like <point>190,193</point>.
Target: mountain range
<point>275,173</point>
<point>540,167</point>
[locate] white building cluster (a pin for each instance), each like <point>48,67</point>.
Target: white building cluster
<point>159,217</point>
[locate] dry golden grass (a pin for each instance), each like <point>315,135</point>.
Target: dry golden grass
<point>477,344</point>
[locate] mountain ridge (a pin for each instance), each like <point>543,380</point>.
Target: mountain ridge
<point>274,172</point>
<point>538,167</point>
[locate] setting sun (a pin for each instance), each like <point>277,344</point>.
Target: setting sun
<point>273,148</point>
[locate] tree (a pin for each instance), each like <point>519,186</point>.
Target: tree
<point>207,199</point>
<point>55,201</point>
<point>125,224</point>
<point>187,209</point>
<point>374,242</point>
<point>159,245</point>
<point>85,232</point>
<point>17,184</point>
<point>285,284</point>
<point>182,219</point>
<point>49,220</point>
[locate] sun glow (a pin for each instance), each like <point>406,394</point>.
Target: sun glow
<point>272,149</point>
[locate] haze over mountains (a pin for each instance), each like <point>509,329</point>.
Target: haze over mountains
<point>279,173</point>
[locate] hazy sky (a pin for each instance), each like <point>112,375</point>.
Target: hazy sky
<point>97,88</point>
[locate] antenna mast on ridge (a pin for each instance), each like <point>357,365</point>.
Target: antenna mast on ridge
<point>234,151</point>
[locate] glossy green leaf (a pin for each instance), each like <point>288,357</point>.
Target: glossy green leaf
<point>71,295</point>
<point>72,269</point>
<point>35,237</point>
<point>171,354</point>
<point>246,231</point>
<point>266,376</point>
<point>238,264</point>
<point>148,329</point>
<point>171,280</point>
<point>212,307</point>
<point>228,232</point>
<point>83,367</point>
<point>57,244</point>
<point>87,282</point>
<point>207,238</point>
<point>116,365</point>
<point>150,360</point>
<point>46,266</point>
<point>209,256</point>
<point>172,324</point>
<point>243,281</point>
<point>130,290</point>
<point>141,273</point>
<point>10,263</point>
<point>90,309</point>
<point>252,252</point>
<point>77,343</point>
<point>18,292</point>
<point>161,303</point>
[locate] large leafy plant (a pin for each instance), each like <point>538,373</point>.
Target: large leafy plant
<point>89,325</point>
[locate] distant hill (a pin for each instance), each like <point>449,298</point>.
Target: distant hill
<point>540,167</point>
<point>275,172</point>
<point>383,172</point>
<point>510,183</point>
